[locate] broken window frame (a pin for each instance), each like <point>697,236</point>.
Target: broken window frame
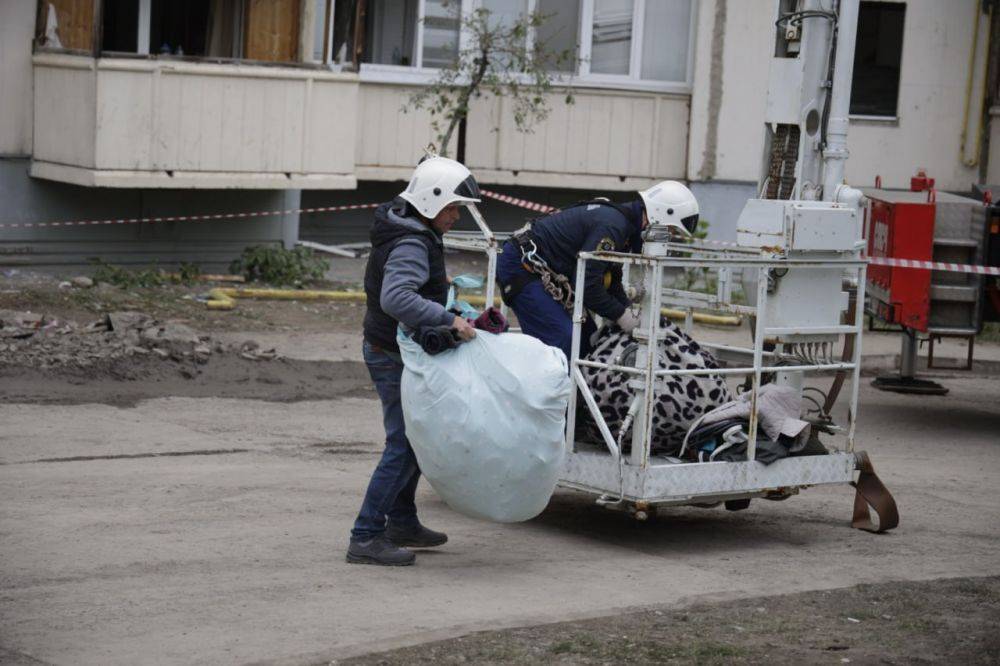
<point>144,48</point>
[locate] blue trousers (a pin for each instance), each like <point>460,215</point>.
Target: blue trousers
<point>393,484</point>
<point>539,315</point>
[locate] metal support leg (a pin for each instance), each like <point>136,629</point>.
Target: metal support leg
<point>908,356</point>
<point>906,381</point>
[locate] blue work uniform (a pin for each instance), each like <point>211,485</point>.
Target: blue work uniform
<point>560,237</point>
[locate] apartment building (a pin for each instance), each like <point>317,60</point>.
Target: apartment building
<point>115,109</point>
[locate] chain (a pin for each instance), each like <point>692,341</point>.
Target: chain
<point>555,284</point>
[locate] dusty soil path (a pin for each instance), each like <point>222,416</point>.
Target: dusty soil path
<point>212,530</point>
<point>949,621</point>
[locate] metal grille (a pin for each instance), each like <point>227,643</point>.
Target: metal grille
<point>781,166</point>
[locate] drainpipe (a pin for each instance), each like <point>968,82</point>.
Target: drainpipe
<point>835,154</point>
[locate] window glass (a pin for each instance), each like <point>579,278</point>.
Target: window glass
<point>391,29</point>
<point>343,30</point>
<point>225,29</point>
<point>559,30</point>
<point>665,32</point>
<point>178,27</point>
<point>877,55</point>
<point>120,19</point>
<point>319,30</point>
<point>611,48</point>
<point>441,24</point>
<point>504,14</point>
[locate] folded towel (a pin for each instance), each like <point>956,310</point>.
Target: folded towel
<point>491,321</point>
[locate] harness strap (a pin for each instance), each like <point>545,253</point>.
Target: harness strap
<point>556,285</point>
<point>871,492</point>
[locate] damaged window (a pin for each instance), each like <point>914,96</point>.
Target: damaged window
<point>287,31</point>
<point>66,24</point>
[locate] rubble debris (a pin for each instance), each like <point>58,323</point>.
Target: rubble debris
<point>36,340</point>
<point>123,321</point>
<point>82,282</point>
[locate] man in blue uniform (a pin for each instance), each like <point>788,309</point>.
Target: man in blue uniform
<point>405,283</point>
<point>537,269</point>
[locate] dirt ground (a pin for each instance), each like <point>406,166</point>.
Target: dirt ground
<point>939,622</point>
<point>125,382</point>
<point>157,511</point>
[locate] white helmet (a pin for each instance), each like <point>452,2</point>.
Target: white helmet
<point>438,182</point>
<point>671,204</point>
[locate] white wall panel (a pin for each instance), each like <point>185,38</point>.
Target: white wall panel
<point>386,136</point>
<point>671,139</point>
<point>125,108</point>
<point>332,123</point>
<point>601,133</point>
<point>64,111</point>
<point>17,21</point>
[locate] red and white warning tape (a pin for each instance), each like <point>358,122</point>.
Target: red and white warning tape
<point>249,214</point>
<point>186,218</point>
<point>934,265</point>
<point>514,201</point>
<point>879,261</point>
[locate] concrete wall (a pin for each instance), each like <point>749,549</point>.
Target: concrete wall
<point>28,200</point>
<point>210,244</point>
<point>727,134</point>
<point>17,24</point>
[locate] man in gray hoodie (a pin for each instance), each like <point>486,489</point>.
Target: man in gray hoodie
<point>405,283</point>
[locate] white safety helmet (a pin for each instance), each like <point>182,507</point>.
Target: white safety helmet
<point>438,182</point>
<point>671,204</point>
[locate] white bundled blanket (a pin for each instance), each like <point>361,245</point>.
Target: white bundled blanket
<point>487,422</point>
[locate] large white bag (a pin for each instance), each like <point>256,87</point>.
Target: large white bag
<point>487,422</point>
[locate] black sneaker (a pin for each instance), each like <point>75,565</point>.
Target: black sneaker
<point>379,550</point>
<point>415,537</point>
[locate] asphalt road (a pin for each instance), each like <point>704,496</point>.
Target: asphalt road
<point>233,552</point>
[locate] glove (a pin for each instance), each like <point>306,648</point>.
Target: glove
<point>628,321</point>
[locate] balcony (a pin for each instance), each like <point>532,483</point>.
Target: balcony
<point>163,123</point>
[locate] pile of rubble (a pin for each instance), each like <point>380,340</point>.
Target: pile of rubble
<point>36,340</point>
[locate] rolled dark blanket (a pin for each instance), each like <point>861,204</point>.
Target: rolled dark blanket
<point>436,339</point>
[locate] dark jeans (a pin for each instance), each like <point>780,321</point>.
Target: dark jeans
<point>394,481</point>
<point>539,315</point>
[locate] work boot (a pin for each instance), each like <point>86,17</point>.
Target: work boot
<point>379,550</point>
<point>417,536</point>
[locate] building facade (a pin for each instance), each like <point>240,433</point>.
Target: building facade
<point>142,108</point>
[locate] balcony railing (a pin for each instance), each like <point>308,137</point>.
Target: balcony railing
<point>121,122</point>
